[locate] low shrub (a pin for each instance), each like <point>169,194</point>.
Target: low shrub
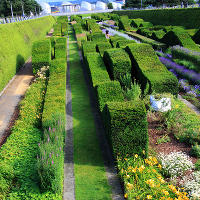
<point>88,47</point>
<point>41,54</point>
<point>146,24</point>
<point>64,29</point>
<point>195,151</point>
<point>149,71</point>
<point>62,19</point>
<point>76,18</point>
<point>110,91</point>
<point>60,48</point>
<point>126,127</point>
<point>136,22</point>
<point>124,23</point>
<point>98,37</point>
<point>117,63</point>
<point>158,35</point>
<point>57,30</point>
<point>196,37</point>
<point>93,26</point>
<point>145,32</point>
<point>124,43</point>
<point>179,36</point>
<point>103,46</point>
<point>115,39</point>
<point>78,28</point>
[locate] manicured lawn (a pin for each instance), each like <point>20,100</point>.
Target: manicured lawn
<point>90,178</point>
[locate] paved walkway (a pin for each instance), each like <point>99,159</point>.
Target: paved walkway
<point>11,96</point>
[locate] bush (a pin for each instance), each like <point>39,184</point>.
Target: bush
<point>64,29</point>
<point>60,48</point>
<point>146,24</point>
<point>88,47</point>
<point>149,71</point>
<point>145,32</point>
<point>168,17</point>
<point>195,151</point>
<point>180,37</point>
<point>117,63</point>
<point>102,46</point>
<point>57,30</point>
<point>110,91</point>
<point>110,6</point>
<point>41,54</point>
<point>62,19</point>
<point>124,23</point>
<point>196,37</point>
<point>93,26</point>
<point>78,28</point>
<point>115,39</point>
<point>98,37</point>
<point>16,48</point>
<point>136,22</point>
<point>126,127</point>
<point>158,35</point>
<point>124,43</point>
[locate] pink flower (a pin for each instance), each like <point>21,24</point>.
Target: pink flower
<point>52,162</point>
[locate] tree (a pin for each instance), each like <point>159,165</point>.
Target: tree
<point>133,3</point>
<point>110,6</point>
<point>28,5</point>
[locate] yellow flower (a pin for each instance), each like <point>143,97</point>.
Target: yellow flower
<point>155,161</point>
<point>173,188</point>
<point>140,169</point>
<point>143,152</point>
<point>159,166</point>
<point>150,182</point>
<point>136,156</point>
<point>149,197</point>
<point>176,106</point>
<point>126,196</point>
<point>134,170</point>
<point>165,192</point>
<point>129,186</point>
<point>153,170</point>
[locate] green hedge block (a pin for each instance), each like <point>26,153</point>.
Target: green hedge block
<point>56,94</point>
<point>96,69</point>
<point>124,43</point>
<point>124,23</point>
<point>146,24</point>
<point>127,127</point>
<point>64,29</point>
<point>57,30</point>
<point>78,28</point>
<point>149,71</point>
<point>76,18</point>
<point>117,63</point>
<point>60,48</point>
<point>102,46</point>
<point>98,37</point>
<point>62,19</point>
<point>93,26</point>
<point>114,17</point>
<point>145,32</point>
<point>108,92</point>
<point>115,39</point>
<point>88,47</point>
<point>196,37</point>
<point>158,35</point>
<point>41,54</point>
<point>136,22</point>
<point>179,36</point>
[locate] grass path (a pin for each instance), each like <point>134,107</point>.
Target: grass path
<point>90,177</point>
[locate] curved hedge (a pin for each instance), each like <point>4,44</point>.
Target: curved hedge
<point>189,17</point>
<point>151,73</point>
<point>15,44</point>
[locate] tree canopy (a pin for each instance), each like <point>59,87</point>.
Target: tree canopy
<point>28,5</point>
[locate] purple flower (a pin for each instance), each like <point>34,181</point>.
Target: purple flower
<point>48,138</point>
<point>52,162</point>
<point>38,144</point>
<point>54,129</point>
<point>49,129</point>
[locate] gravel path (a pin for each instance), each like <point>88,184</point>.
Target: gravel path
<point>11,96</point>
<point>69,179</point>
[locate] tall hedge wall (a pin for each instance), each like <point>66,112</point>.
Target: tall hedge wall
<point>189,18</point>
<point>15,44</point>
<point>151,73</point>
<point>126,127</point>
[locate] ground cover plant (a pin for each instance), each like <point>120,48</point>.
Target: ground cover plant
<point>18,51</point>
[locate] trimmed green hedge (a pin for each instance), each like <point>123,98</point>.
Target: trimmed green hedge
<point>136,22</point>
<point>62,19</point>
<point>145,32</point>
<point>108,92</point>
<point>179,36</point>
<point>64,29</point>
<point>158,35</point>
<point>16,40</point>
<point>115,39</point>
<point>126,127</point>
<point>57,30</point>
<point>117,63</point>
<point>196,37</point>
<point>102,46</point>
<point>78,28</point>
<point>188,17</point>
<point>124,43</point>
<point>146,24</point>
<point>93,26</point>
<point>98,37</point>
<point>88,47</point>
<point>60,48</point>
<point>41,54</point>
<point>96,69</point>
<point>149,71</point>
<point>124,23</point>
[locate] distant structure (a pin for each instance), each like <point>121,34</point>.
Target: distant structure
<point>53,6</point>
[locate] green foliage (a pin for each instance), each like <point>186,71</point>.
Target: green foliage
<point>114,17</point>
<point>62,19</point>
<point>124,43</point>
<point>110,6</point>
<point>57,30</point>
<point>133,93</point>
<point>60,48</point>
<point>126,127</point>
<point>88,47</point>
<point>163,139</point>
<point>179,36</point>
<point>197,165</point>
<point>149,71</point>
<point>96,69</point>
<point>115,39</point>
<point>196,37</point>
<point>98,37</point>
<point>76,18</point>
<point>64,29</point>
<point>158,35</point>
<point>78,28</point>
<point>93,26</point>
<point>146,24</point>
<point>145,32</point>
<point>195,151</point>
<point>124,23</point>
<point>108,92</point>
<point>41,54</point>
<point>16,48</point>
<point>186,125</point>
<point>136,22</point>
<point>100,16</point>
<point>117,63</point>
<point>103,46</point>
<point>174,17</point>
